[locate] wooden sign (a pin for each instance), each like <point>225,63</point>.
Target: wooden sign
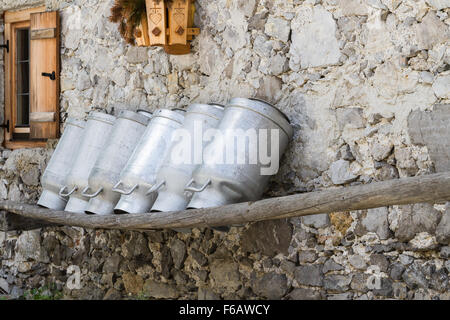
<point>157,22</point>
<point>178,21</point>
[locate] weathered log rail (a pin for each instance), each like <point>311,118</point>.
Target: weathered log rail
<point>429,188</point>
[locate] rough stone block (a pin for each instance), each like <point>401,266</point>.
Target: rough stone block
<point>431,128</point>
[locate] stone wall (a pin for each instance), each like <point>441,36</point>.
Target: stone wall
<point>348,73</point>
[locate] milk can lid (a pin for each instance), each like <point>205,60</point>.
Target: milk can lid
<point>170,114</point>
<point>76,122</point>
<point>134,116</point>
<point>266,110</point>
<point>100,116</point>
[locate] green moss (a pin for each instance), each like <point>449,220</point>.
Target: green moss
<point>43,293</point>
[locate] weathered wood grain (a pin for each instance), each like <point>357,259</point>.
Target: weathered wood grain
<point>46,33</point>
<point>430,188</point>
<point>44,92</point>
<point>11,222</point>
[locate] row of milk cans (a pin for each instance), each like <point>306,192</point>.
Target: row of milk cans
<point>128,163</point>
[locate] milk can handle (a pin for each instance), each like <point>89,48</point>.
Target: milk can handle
<point>155,187</point>
<point>116,189</point>
<point>62,194</point>
<point>189,187</point>
<point>83,193</point>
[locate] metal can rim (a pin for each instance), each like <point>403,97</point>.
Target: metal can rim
<point>169,114</point>
<point>133,116</point>
<point>100,116</point>
<point>146,113</point>
<point>76,122</point>
<point>208,109</point>
<point>272,113</point>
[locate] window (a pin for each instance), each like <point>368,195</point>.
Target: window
<point>31,77</point>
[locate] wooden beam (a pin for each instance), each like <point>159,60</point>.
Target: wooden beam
<point>13,222</point>
<point>432,188</point>
<point>21,14</point>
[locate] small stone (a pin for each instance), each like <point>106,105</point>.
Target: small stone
<point>441,86</point>
<point>381,149</point>
<point>133,283</point>
<point>423,241</point>
<point>340,296</point>
<point>178,251</point>
<point>337,282</point>
<point>316,220</point>
<point>330,265</point>
<point>119,76</point>
<point>443,228</point>
<point>269,87</point>
<point>397,270</point>
<point>399,290</point>
<point>83,81</point>
<point>287,266</point>
<point>272,286</point>
<point>275,65</point>
<point>206,294</point>
<point>445,252</point>
<point>4,286</point>
<point>416,218</point>
<point>307,256</point>
<point>439,4</point>
<point>310,275</point>
<point>112,294</point>
<point>379,260</point>
<point>160,290</point>
<point>278,28</point>
<point>377,221</point>
<point>405,259</point>
<point>136,55</point>
<point>199,257</point>
<point>166,262</point>
<point>258,21</point>
<point>267,237</point>
<point>305,294</point>
<point>225,274</point>
<point>111,264</point>
<point>385,289</point>
<point>359,282</point>
<point>28,246</point>
<point>426,77</point>
<point>439,280</point>
<point>414,277</point>
<point>357,261</point>
<point>431,31</point>
<point>314,42</point>
<point>351,118</point>
<point>340,173</point>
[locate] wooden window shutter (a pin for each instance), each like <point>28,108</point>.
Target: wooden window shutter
<point>44,75</point>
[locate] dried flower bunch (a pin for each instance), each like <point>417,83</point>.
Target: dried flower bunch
<point>128,13</point>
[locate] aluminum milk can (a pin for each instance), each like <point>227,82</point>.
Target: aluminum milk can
<point>98,128</point>
<point>54,177</point>
<point>231,173</point>
<point>173,175</point>
<point>125,135</point>
<point>139,174</point>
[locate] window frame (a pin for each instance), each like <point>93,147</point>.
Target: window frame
<point>15,20</point>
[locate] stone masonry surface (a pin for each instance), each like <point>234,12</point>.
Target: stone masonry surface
<point>352,75</point>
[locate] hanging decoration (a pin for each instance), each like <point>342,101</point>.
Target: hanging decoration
<point>165,23</point>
